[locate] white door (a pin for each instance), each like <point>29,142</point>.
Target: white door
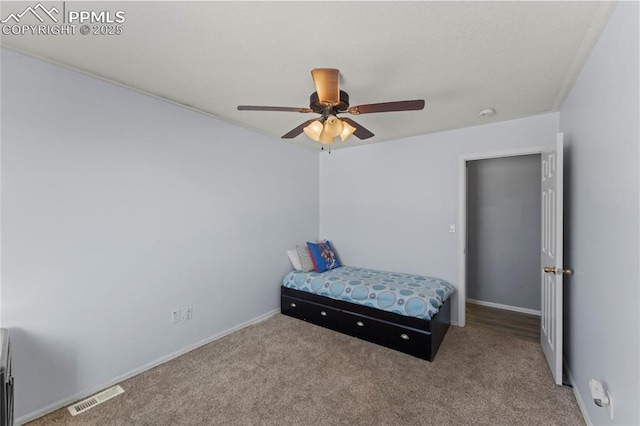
<point>552,268</point>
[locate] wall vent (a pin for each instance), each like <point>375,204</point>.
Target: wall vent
<point>92,401</point>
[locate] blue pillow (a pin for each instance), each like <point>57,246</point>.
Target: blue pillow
<point>323,256</point>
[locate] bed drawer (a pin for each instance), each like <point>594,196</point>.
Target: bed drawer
<point>311,312</point>
<point>404,339</point>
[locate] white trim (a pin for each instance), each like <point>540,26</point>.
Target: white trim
<point>88,392</point>
<point>461,291</point>
<point>507,153</point>
<point>505,307</point>
<point>576,393</point>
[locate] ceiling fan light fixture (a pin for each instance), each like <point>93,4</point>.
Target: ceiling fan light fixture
<point>325,138</point>
<point>347,131</point>
<point>314,130</point>
<point>333,126</point>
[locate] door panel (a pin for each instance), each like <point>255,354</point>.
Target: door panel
<point>551,257</point>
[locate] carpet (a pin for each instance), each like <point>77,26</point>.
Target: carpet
<point>284,371</point>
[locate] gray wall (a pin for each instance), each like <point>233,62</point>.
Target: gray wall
<point>600,120</point>
<point>118,208</point>
<point>503,231</point>
<point>388,206</point>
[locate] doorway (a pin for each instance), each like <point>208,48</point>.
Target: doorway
<point>550,262</point>
<point>499,236</point>
<point>503,244</point>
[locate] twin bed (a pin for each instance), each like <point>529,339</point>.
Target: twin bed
<point>408,313</point>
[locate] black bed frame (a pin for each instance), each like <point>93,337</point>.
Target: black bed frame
<point>414,336</point>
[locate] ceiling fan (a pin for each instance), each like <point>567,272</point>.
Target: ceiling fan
<point>329,101</point>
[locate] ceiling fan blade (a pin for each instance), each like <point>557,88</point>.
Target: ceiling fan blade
<point>361,132</point>
<point>327,85</point>
<point>295,132</point>
<point>272,108</point>
<point>413,105</point>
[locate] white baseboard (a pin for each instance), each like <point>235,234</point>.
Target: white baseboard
<point>88,392</point>
<point>453,322</point>
<point>576,393</point>
<point>505,307</point>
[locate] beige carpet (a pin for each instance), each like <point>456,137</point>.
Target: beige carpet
<point>286,372</point>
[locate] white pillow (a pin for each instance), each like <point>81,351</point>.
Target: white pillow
<point>294,259</point>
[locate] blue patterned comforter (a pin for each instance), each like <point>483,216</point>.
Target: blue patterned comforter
<point>404,294</point>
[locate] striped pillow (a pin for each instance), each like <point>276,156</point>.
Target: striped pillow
<point>305,259</point>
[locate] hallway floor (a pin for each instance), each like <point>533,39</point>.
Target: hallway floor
<point>505,322</point>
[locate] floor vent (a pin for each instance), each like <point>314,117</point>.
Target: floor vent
<point>105,395</point>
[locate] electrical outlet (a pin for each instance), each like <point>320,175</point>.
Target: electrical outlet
<point>188,313</point>
<point>452,228</point>
<point>175,316</point>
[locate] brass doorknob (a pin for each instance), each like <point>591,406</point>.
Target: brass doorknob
<point>554,270</point>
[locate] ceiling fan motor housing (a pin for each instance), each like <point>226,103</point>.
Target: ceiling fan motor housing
<point>321,108</point>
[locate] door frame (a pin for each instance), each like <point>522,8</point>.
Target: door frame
<point>462,216</point>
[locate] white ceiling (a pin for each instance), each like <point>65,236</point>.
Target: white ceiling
<point>519,58</point>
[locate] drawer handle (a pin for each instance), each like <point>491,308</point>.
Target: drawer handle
<point>293,305</point>
<point>404,336</point>
<point>323,313</point>
<point>360,324</point>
